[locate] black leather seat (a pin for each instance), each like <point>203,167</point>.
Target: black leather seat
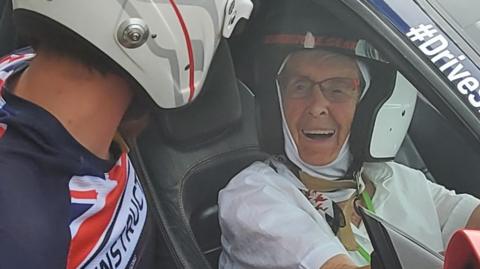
<point>408,155</point>
<point>188,154</point>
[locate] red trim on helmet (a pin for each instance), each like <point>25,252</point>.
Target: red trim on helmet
<point>189,48</point>
<point>320,41</point>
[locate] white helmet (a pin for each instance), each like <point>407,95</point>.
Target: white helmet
<point>166,45</point>
<point>384,113</point>
<point>392,120</point>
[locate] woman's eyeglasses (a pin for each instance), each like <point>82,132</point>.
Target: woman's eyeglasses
<point>336,90</point>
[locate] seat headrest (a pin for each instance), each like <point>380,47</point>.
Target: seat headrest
<point>216,110</point>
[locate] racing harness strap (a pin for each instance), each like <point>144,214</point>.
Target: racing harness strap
<point>344,233</point>
<point>339,219</point>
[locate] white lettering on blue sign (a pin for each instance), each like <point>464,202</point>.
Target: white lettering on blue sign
<point>435,46</point>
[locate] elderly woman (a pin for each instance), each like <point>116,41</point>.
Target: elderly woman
<point>296,212</point>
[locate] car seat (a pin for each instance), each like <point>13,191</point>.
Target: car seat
<point>187,155</point>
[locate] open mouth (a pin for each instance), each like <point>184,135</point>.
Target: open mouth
<point>318,134</point>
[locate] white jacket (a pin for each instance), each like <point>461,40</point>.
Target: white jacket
<point>267,222</point>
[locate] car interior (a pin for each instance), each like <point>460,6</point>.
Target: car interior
<point>185,156</point>
<point>195,150</point>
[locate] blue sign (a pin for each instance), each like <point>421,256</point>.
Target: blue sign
<point>424,33</point>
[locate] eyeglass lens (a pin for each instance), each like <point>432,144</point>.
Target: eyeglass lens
<point>336,90</point>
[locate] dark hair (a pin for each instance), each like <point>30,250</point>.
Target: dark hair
<point>45,34</point>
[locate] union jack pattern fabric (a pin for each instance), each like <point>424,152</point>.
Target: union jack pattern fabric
<point>114,204</point>
<point>3,129</point>
<point>8,65</point>
<point>11,63</point>
<point>107,207</point>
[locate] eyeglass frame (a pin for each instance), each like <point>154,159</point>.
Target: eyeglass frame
<point>284,88</point>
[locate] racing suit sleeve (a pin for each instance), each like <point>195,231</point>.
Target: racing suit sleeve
<point>453,209</point>
<point>266,225</point>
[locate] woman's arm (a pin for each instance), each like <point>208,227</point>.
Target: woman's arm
<point>341,262</point>
<point>474,220</point>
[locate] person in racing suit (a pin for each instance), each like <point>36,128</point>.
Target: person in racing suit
<point>69,195</point>
<point>297,212</point>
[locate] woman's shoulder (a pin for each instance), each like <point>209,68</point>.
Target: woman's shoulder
<point>271,172</point>
<point>384,171</point>
<point>255,169</point>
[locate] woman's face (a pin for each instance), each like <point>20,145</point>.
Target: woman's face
<point>320,91</point>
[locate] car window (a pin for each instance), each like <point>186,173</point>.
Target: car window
<point>435,139</point>
<point>465,20</point>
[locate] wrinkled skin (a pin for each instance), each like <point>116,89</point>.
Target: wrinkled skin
<point>316,113</point>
